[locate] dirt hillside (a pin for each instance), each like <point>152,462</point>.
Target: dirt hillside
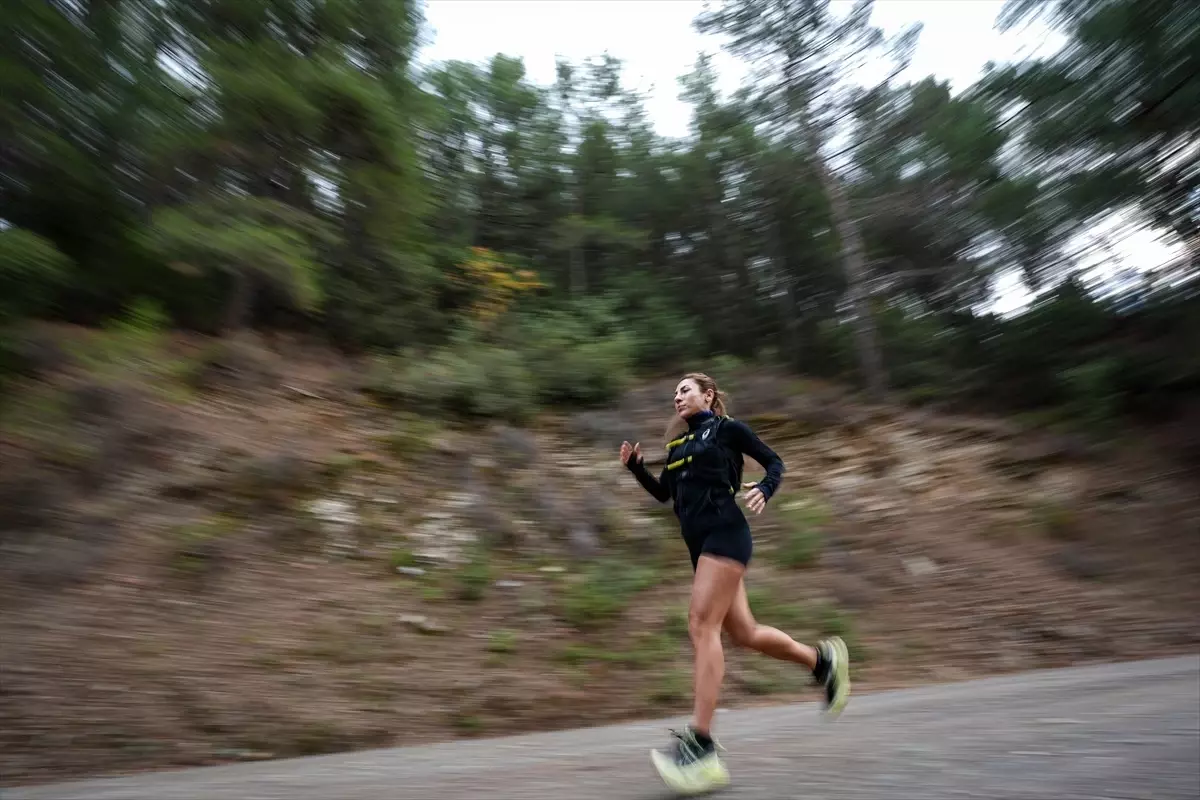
<point>231,551</point>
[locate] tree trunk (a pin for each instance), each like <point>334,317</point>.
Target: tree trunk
<point>853,256</point>
<point>240,300</point>
<point>578,272</point>
<point>578,264</point>
<point>854,264</point>
<point>789,317</point>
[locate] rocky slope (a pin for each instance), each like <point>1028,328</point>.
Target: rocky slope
<point>220,552</point>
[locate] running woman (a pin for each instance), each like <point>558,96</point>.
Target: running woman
<point>704,467</point>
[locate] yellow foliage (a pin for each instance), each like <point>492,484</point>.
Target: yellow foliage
<point>493,283</point>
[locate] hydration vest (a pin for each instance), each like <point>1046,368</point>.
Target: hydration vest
<point>698,457</point>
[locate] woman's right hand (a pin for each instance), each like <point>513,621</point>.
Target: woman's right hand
<point>628,450</point>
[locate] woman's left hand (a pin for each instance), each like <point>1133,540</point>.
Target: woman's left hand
<point>755,501</point>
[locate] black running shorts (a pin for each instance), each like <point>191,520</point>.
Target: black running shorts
<point>720,530</point>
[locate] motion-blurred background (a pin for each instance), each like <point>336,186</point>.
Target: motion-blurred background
<point>322,321</point>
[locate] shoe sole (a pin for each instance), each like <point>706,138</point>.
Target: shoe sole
<point>842,677</point>
<point>710,777</point>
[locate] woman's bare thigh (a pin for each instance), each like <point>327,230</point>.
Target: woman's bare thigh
<point>714,588</point>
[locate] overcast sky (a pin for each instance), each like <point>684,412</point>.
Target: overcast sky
<point>656,43</point>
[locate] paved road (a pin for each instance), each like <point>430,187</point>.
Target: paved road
<point>1115,731</point>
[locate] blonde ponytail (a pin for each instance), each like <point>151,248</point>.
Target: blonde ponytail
<point>718,405</point>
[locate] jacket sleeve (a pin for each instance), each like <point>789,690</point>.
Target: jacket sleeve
<point>657,488</point>
<point>742,437</point>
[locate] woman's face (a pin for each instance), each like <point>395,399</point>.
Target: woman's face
<point>690,400</point>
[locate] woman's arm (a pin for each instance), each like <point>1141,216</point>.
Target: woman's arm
<point>744,439</point>
<point>657,488</point>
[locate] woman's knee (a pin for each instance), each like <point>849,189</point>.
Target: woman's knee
<point>714,589</point>
<point>702,624</point>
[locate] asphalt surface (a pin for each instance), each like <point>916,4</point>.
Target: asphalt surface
<point>1115,731</point>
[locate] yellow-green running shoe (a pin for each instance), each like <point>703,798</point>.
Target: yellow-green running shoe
<point>690,768</point>
<point>833,671</point>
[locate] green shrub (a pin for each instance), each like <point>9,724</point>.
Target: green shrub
<point>602,592</point>
<point>673,686</point>
<point>676,622</point>
<point>768,606</point>
<point>411,437</point>
<point>833,621</point>
<point>803,539</point>
<point>467,379</point>
<point>474,578</point>
<point>134,343</point>
<point>579,355</point>
<point>195,548</point>
<point>765,679</point>
<point>31,270</point>
<point>665,334</point>
<point>401,557</point>
<point>1093,392</point>
<point>502,642</point>
<point>1057,520</point>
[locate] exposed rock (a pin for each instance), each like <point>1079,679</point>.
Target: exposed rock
<point>437,558</point>
<point>91,403</point>
<point>920,566</point>
<point>114,429</point>
<point>340,525</point>
<point>32,353</point>
<point>188,487</point>
<point>494,524</point>
<point>1027,458</point>
<point>272,482</point>
<point>423,624</point>
<point>606,428</point>
<point>603,513</point>
<point>445,445</point>
<point>67,554</point>
<point>583,540</point>
<point>338,515</point>
<point>1067,631</point>
<point>854,592</point>
<point>238,362</point>
<point>558,519</point>
<point>201,560</point>
<point>444,533</point>
<point>483,463</point>
<point>515,448</point>
<point>814,414</point>
<point>843,484</point>
<point>967,428</point>
<point>1081,562</point>
<point>1182,437</point>
<point>29,501</point>
<point>1115,492</point>
<point>1060,486</point>
<point>487,520</point>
